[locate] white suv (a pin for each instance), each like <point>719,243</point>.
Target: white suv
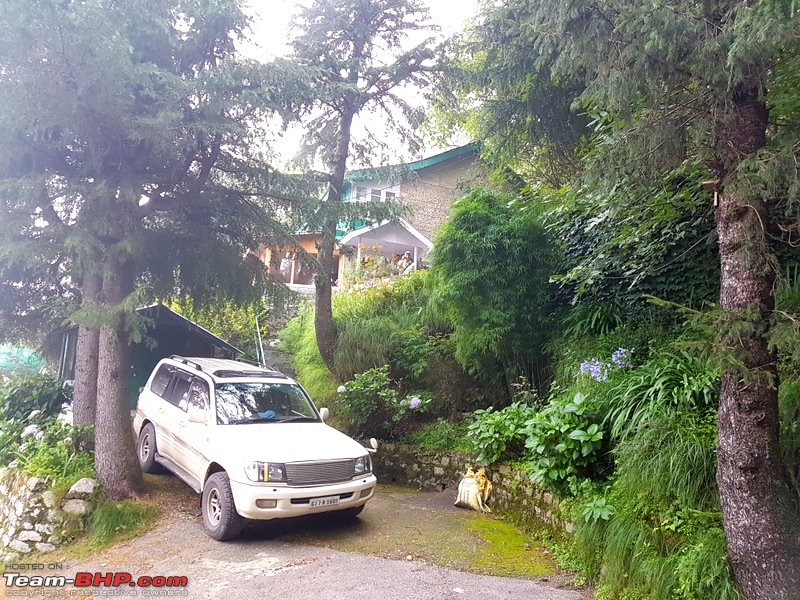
<point>250,440</point>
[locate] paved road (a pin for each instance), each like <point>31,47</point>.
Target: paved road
<point>299,562</point>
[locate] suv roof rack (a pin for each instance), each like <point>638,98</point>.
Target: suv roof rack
<point>263,372</point>
<point>186,361</point>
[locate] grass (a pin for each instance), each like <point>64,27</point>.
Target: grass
<point>118,521</point>
<point>441,435</point>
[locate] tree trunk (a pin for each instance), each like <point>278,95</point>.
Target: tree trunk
<point>84,402</point>
<point>760,517</point>
<point>115,456</point>
<point>325,329</point>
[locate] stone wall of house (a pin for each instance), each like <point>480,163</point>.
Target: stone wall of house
<point>514,495</point>
<point>430,197</point>
<point>33,519</point>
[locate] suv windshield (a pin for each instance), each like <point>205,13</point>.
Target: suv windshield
<point>255,401</point>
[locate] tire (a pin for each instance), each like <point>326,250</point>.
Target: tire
<point>220,518</point>
<point>146,449</point>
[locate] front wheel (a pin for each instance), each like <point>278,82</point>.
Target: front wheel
<point>220,518</point>
<point>146,449</point>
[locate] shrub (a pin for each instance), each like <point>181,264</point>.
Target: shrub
<point>368,400</point>
<point>22,396</point>
<point>564,442</point>
<point>499,435</point>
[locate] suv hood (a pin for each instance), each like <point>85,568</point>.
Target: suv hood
<point>285,442</point>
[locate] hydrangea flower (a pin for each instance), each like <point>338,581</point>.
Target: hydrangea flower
<point>414,403</point>
<point>341,389</point>
<point>29,431</point>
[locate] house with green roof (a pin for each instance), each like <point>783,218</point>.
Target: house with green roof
<point>426,188</point>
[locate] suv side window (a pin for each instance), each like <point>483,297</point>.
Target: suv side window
<point>161,380</point>
<point>180,389</point>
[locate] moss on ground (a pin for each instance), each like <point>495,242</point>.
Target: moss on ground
<point>401,523</point>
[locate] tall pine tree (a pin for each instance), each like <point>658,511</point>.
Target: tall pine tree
<point>129,152</point>
<point>695,78</point>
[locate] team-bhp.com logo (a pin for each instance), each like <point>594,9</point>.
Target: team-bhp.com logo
<point>158,585</point>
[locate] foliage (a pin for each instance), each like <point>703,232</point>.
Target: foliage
<point>21,396</point>
<point>622,243</point>
<point>564,442</point>
<point>673,382</point>
<point>499,434</point>
<point>299,339</point>
<point>119,520</point>
<point>232,322</point>
<point>61,453</point>
<point>441,435</point>
<point>492,262</point>
<point>374,407</point>
<point>366,399</point>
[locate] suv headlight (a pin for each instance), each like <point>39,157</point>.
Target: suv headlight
<point>363,465</point>
<point>265,471</point>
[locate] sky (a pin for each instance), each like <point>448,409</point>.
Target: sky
<point>270,34</point>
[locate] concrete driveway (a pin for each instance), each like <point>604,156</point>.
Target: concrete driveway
<point>404,546</point>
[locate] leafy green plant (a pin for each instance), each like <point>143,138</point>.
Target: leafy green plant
<point>21,396</point>
<point>597,509</point>
<point>57,451</point>
<point>564,442</point>
<point>499,434</point>
<point>369,401</point>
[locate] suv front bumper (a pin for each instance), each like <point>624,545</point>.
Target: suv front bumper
<point>255,500</point>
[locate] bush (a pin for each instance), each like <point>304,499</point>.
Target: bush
<point>22,396</point>
<point>499,435</point>
<point>368,400</point>
<point>58,452</point>
<point>564,443</point>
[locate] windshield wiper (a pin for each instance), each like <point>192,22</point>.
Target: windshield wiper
<point>253,420</point>
<point>303,419</point>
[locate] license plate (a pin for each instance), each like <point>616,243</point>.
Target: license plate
<point>330,500</point>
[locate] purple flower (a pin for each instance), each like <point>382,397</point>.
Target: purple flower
<point>414,403</point>
<point>595,369</point>
<point>622,358</point>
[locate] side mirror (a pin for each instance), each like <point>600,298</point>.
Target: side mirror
<point>324,413</point>
<point>195,414</point>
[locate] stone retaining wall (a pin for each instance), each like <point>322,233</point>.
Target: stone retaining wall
<point>32,518</point>
<point>514,495</point>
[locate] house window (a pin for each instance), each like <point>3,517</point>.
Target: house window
<point>390,196</point>
<point>376,195</point>
<point>361,194</point>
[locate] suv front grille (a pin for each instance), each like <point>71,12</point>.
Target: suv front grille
<point>312,473</point>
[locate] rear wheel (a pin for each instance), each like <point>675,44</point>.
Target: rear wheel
<point>220,518</point>
<point>146,449</point>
